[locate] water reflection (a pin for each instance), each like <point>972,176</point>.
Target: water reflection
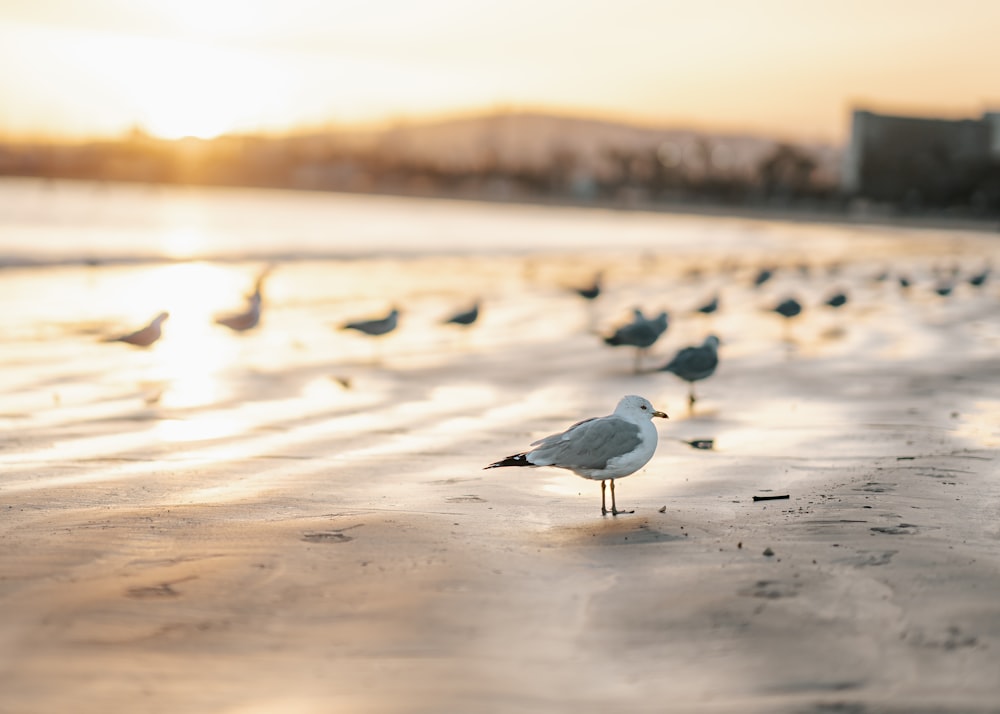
<point>198,428</point>
<point>981,425</point>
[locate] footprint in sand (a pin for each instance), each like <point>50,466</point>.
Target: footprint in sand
<point>771,590</point>
<point>156,591</point>
<point>901,529</point>
<point>876,487</point>
<point>873,558</point>
<point>327,537</point>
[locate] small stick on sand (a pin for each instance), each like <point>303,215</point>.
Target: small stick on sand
<point>770,498</point>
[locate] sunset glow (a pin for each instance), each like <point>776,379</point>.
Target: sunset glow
<point>206,68</point>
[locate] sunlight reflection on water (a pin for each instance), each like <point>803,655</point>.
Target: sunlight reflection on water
<point>982,426</point>
<point>197,428</point>
<point>296,387</point>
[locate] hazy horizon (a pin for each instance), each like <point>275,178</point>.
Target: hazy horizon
<point>791,70</point>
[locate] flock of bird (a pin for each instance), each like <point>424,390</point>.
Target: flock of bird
<point>698,362</point>
<point>249,318</point>
<point>619,444</point>
<point>601,448</point>
<point>691,364</point>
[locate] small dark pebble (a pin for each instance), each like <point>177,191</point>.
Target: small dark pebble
<point>768,552</point>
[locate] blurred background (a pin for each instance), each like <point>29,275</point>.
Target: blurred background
<point>867,108</point>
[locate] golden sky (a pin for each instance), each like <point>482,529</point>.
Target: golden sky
<point>791,68</point>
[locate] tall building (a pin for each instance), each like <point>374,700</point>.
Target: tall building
<point>920,162</point>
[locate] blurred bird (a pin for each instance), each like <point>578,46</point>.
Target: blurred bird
<point>704,444</point>
<point>763,276</point>
<point>641,333</point>
<point>979,278</point>
<point>837,300</point>
<point>246,320</point>
<point>375,327</point>
<point>693,364</point>
<point>904,282</point>
<point>249,318</point>
<point>788,308</point>
<point>147,335</point>
<point>709,307</point>
<point>464,318</point>
<point>593,290</point>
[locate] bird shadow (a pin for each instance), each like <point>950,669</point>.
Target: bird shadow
<point>624,529</point>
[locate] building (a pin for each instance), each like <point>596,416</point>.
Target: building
<point>924,163</point>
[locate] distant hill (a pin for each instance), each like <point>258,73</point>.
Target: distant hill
<point>527,139</point>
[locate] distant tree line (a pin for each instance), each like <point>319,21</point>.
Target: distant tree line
<point>786,176</point>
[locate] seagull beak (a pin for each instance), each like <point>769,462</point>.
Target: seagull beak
<point>662,415</point>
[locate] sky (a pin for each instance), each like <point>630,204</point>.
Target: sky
<point>787,68</point>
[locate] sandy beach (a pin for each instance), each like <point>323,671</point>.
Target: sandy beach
<point>296,519</point>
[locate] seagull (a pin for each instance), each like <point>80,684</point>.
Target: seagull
<point>762,277</point>
<point>944,288</point>
<point>837,300</point>
<point>709,307</point>
<point>250,317</point>
<point>375,327</point>
<point>979,278</point>
<point>695,363</point>
<point>601,449</point>
<point>146,336</point>
<point>591,291</point>
<point>641,333</point>
<point>788,308</point>
<point>246,320</point>
<point>243,321</point>
<point>466,317</point>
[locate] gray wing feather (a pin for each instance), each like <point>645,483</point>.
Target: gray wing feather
<point>588,444</point>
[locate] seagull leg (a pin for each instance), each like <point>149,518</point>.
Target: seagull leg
<point>591,318</point>
<point>691,398</point>
<point>614,508</point>
<point>604,509</point>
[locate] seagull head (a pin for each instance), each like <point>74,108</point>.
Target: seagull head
<point>633,406</point>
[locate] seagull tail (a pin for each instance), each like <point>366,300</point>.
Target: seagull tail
<point>515,460</point>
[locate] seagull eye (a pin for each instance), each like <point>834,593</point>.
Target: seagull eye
<point>643,407</point>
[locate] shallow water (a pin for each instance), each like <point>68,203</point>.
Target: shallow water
<point>99,260</point>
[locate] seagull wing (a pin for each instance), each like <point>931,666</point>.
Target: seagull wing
<point>588,444</point>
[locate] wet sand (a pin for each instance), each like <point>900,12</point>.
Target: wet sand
<point>297,519</point>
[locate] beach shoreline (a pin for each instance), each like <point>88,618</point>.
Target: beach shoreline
<point>298,519</point>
